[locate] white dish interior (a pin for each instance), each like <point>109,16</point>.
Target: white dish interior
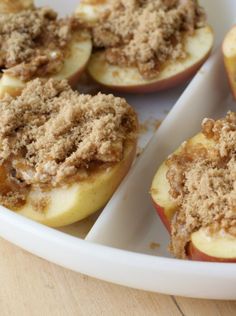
<point>117,245</point>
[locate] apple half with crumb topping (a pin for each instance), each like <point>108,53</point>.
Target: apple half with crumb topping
<point>128,79</point>
<point>204,246</point>
<point>79,51</point>
<point>65,153</point>
<point>77,54</point>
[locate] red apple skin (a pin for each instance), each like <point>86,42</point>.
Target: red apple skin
<point>160,85</point>
<point>195,254</point>
<point>161,212</point>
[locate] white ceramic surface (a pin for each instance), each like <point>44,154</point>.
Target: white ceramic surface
<point>117,246</point>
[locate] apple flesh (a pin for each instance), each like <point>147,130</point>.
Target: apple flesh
<point>128,79</point>
<point>218,247</point>
<point>229,53</point>
<point>70,204</point>
<point>89,11</point>
<point>79,51</point>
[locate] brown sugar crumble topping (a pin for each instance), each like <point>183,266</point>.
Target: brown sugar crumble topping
<point>33,42</point>
<point>52,136</point>
<point>203,184</point>
<point>146,33</point>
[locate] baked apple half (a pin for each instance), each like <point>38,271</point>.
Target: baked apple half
<point>63,154</point>
<point>193,193</point>
<point>145,46</point>
<point>49,47</point>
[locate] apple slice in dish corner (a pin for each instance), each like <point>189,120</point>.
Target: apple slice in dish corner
<point>217,247</point>
<point>128,79</point>
<point>229,53</point>
<point>67,205</point>
<point>79,52</point>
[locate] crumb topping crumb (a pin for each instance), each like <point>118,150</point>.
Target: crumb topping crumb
<point>203,184</point>
<point>154,245</point>
<point>50,134</point>
<point>146,33</point>
<point>33,42</point>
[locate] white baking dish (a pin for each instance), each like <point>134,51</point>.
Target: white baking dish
<point>116,247</point>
